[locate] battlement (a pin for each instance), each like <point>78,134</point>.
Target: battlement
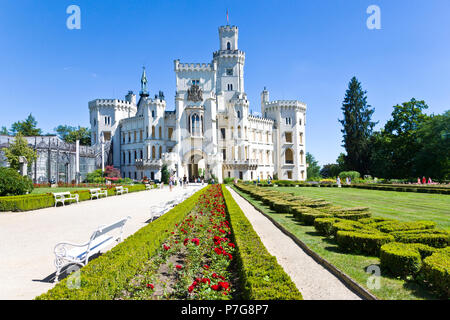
<point>228,29</point>
<point>285,103</point>
<point>204,67</point>
<point>110,102</point>
<point>255,118</point>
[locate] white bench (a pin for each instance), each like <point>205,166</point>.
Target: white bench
<point>62,197</point>
<point>98,192</point>
<point>121,190</point>
<point>68,253</point>
<point>158,210</point>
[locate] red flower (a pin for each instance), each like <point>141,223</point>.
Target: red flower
<point>178,267</point>
<point>224,285</point>
<point>196,241</point>
<point>190,289</point>
<point>186,241</point>
<point>231,245</point>
<point>218,250</point>
<point>166,247</point>
<point>206,266</point>
<point>215,287</point>
<point>149,285</point>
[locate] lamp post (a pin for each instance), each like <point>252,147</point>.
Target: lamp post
<point>102,141</point>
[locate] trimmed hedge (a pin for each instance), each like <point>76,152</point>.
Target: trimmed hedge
<point>359,242</point>
<point>104,277</point>
<point>393,226</point>
<point>400,259</point>
<point>325,226</point>
<point>433,238</point>
<point>39,201</point>
<point>261,277</point>
<point>436,271</point>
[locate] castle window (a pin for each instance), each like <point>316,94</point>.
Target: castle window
<point>153,152</point>
<point>222,131</point>
<point>195,125</point>
<point>153,113</point>
<point>301,157</point>
<point>288,120</point>
<point>230,87</point>
<point>153,132</point>
<point>301,137</point>
<point>288,136</point>
<point>289,156</point>
<point>239,114</point>
<point>160,133</point>
<point>228,46</point>
<point>160,152</point>
<point>289,175</point>
<point>229,71</point>
<point>142,155</point>
<point>170,133</point>
<point>195,82</point>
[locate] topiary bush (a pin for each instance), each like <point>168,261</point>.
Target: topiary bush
<point>359,242</point>
<point>436,271</point>
<point>400,259</point>
<point>13,184</point>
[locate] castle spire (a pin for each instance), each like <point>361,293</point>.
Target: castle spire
<point>144,82</point>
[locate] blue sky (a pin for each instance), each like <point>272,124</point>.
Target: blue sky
<point>306,50</point>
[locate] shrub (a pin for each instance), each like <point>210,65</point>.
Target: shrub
<point>360,242</point>
<point>400,259</point>
<point>325,226</point>
<point>393,226</point>
<point>433,238</point>
<point>350,174</point>
<point>13,184</point>
<point>436,271</point>
<point>228,180</point>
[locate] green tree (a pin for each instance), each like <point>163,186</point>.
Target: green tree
<point>27,128</point>
<point>71,134</point>
<point>395,148</point>
<point>313,168</point>
<point>165,174</point>
<point>357,127</point>
<point>19,147</point>
<point>330,170</point>
<point>4,131</point>
<point>433,157</point>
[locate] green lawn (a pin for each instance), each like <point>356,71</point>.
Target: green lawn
<point>50,190</point>
<point>404,206</point>
<point>351,264</point>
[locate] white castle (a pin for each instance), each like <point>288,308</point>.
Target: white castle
<point>211,131</point>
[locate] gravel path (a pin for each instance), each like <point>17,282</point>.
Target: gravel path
<point>27,239</point>
<point>313,280</point>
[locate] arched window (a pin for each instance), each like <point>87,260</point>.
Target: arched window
<point>228,46</point>
<point>160,152</point>
<point>160,133</point>
<point>195,125</point>
<point>153,152</point>
<point>289,156</point>
<point>301,157</point>
<point>239,132</point>
<point>153,132</point>
<point>239,114</point>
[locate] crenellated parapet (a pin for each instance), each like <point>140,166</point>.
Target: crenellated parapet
<point>201,67</point>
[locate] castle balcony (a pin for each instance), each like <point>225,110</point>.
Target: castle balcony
<point>148,164</point>
<point>250,164</point>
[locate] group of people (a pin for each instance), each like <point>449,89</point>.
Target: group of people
<point>424,181</point>
<point>348,180</point>
<point>183,182</point>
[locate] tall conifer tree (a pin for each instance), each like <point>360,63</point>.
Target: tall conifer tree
<point>357,127</point>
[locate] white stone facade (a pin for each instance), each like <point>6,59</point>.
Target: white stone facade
<point>211,131</point>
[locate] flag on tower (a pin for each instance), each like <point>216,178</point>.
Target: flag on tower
<point>228,22</point>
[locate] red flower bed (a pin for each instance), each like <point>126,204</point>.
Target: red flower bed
<point>196,257</point>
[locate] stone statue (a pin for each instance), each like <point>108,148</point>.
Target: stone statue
<point>23,165</point>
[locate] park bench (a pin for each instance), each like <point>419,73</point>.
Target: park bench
<point>97,193</point>
<point>62,197</point>
<point>68,253</point>
<point>157,211</point>
<point>121,190</point>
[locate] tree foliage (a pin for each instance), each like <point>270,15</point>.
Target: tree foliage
<point>357,127</point>
<point>313,168</point>
<point>19,147</point>
<point>71,134</point>
<point>27,128</point>
<point>13,184</point>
